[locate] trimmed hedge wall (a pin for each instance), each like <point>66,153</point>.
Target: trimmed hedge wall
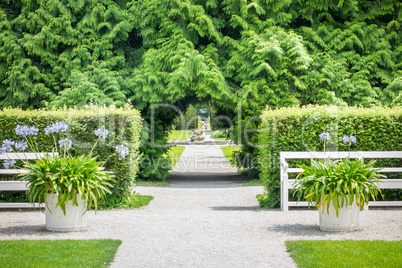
<point>297,129</point>
<point>124,126</point>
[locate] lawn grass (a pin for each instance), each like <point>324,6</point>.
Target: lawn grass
<point>137,200</point>
<point>57,253</point>
<point>133,201</point>
<point>174,154</point>
<point>179,135</point>
<point>152,183</point>
<point>346,253</point>
<point>228,152</point>
<point>254,182</point>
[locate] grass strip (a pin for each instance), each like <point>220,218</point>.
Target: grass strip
<point>254,182</point>
<point>346,253</point>
<point>229,151</point>
<point>174,154</point>
<point>152,183</point>
<point>179,135</point>
<point>57,253</point>
<point>133,201</point>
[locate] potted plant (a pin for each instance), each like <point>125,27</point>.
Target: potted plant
<point>67,185</point>
<point>339,188</point>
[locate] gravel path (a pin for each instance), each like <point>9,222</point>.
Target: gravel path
<point>203,220</point>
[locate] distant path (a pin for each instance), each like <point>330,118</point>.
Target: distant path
<point>199,158</point>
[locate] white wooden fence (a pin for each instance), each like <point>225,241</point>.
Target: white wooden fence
<point>17,185</point>
<point>287,184</point>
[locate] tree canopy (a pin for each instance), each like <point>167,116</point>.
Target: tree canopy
<point>248,53</point>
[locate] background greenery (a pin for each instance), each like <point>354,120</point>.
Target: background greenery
<point>124,125</point>
<point>297,129</point>
<point>233,55</point>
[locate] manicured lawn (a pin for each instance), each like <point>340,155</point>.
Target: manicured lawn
<point>346,253</point>
<point>137,200</point>
<point>174,154</point>
<point>179,135</point>
<point>152,183</point>
<point>229,150</point>
<point>57,253</point>
<point>255,182</point>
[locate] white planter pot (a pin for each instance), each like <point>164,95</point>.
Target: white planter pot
<point>347,220</point>
<point>74,220</point>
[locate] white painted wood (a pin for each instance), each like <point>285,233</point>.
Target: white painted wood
<point>287,183</point>
<point>371,204</point>
<point>13,171</point>
<point>18,185</point>
<point>354,154</point>
<point>24,156</point>
<point>21,205</point>
<point>13,185</point>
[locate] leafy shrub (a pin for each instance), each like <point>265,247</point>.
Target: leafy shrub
<point>220,134</point>
<point>124,125</point>
<point>297,129</point>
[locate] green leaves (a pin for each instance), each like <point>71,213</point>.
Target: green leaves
<point>67,177</point>
<point>342,182</point>
<point>297,129</point>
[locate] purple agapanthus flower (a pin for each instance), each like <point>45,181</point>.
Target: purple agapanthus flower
<point>21,145</point>
<point>324,136</point>
<point>57,127</point>
<point>349,139</point>
<point>122,150</point>
<point>101,132</point>
<point>26,130</point>
<point>6,146</point>
<point>9,163</point>
<point>65,143</point>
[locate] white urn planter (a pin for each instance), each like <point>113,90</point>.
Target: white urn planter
<point>347,220</point>
<point>74,220</point>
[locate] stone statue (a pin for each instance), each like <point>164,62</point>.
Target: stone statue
<point>199,134</point>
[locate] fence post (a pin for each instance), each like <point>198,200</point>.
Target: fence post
<point>284,184</point>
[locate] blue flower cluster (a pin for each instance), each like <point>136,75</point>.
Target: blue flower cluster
<point>21,145</point>
<point>65,143</point>
<point>9,163</point>
<point>122,150</point>
<point>6,146</point>
<point>101,132</point>
<point>348,140</point>
<point>58,127</point>
<point>324,136</point>
<point>26,130</point>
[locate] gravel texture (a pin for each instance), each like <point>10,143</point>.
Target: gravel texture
<point>203,220</point>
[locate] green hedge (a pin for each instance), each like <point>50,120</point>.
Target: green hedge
<point>124,126</point>
<point>297,129</point>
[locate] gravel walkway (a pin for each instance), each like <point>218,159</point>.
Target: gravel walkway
<point>203,220</point>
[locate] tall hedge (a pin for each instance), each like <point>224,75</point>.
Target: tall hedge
<point>124,126</point>
<point>297,129</point>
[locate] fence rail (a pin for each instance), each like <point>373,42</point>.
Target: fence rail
<point>287,184</point>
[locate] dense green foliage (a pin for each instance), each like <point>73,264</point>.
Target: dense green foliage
<point>347,253</point>
<point>342,182</point>
<point>58,253</point>
<point>70,178</point>
<point>297,129</point>
<point>124,126</point>
<point>236,55</point>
